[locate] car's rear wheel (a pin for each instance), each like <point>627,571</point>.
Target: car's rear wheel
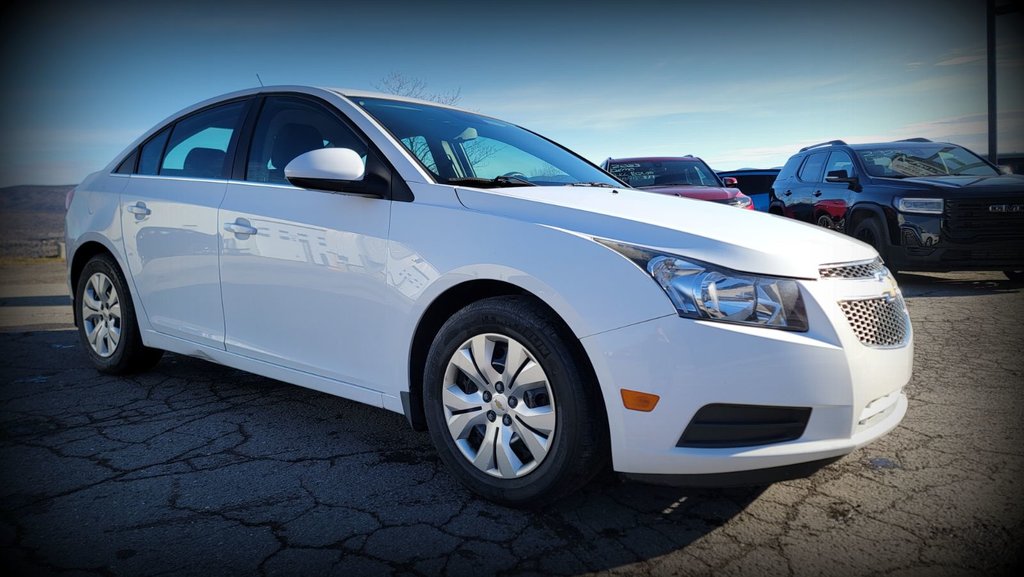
<point>825,221</point>
<point>106,320</point>
<point>508,406</point>
<point>870,232</point>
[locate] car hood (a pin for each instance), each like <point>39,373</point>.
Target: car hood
<point>698,192</point>
<point>1000,183</point>
<point>742,240</point>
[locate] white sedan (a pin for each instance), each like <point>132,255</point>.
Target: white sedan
<point>537,316</point>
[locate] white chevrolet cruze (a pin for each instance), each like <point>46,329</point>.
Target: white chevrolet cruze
<point>537,316</point>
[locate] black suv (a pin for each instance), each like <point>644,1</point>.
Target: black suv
<point>925,206</point>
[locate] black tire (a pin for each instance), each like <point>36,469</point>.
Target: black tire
<point>870,231</point>
<point>825,221</point>
<point>578,450</point>
<point>128,354</point>
<point>1014,275</point>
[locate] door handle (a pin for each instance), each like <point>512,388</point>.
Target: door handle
<point>240,227</point>
<point>787,193</point>
<point>817,193</point>
<point>139,209</point>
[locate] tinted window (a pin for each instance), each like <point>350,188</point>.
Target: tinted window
<point>288,127</point>
<point>789,170</point>
<point>127,165</point>
<point>839,160</point>
<point>199,144</point>
<point>149,160</point>
<point>811,170</point>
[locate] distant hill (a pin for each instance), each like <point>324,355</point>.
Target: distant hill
<point>31,220</point>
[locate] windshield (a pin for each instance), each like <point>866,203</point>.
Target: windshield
<point>643,173</point>
<point>460,147</point>
<point>923,160</point>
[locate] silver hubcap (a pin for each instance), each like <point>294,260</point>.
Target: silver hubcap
<point>499,406</point>
<point>101,315</point>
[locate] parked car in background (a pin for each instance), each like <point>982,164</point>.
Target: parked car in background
<point>753,182</point>
<point>535,316</point>
<point>923,205</point>
<point>686,176</point>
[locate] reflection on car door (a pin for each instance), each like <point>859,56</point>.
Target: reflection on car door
<point>303,271</point>
<point>806,188</point>
<point>169,218</point>
<point>835,196</point>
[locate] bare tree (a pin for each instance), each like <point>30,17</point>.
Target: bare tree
<point>401,85</point>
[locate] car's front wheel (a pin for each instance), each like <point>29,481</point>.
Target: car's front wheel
<point>870,231</point>
<point>106,320</point>
<point>508,405</point>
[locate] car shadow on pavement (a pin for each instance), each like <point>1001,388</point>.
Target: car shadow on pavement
<point>955,284</point>
<point>246,475</point>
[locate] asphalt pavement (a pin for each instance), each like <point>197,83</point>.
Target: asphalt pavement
<point>197,469</point>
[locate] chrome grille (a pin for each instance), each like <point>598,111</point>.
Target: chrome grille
<point>866,269</point>
<point>878,322</point>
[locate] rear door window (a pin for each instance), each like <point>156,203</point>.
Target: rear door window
<point>811,170</point>
<point>198,146</point>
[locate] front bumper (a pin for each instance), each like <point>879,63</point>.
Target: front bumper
<point>939,244</point>
<point>855,392</point>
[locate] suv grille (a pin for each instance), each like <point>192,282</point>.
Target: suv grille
<point>852,270</point>
<point>973,221</point>
<point>878,322</point>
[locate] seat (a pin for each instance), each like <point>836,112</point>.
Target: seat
<point>204,163</point>
<point>291,141</point>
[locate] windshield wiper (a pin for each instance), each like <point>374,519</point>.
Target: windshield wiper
<point>600,184</point>
<point>499,181</point>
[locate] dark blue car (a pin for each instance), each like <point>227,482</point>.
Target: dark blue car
<point>754,182</point>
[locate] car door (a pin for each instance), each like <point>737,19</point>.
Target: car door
<point>303,271</point>
<point>169,218</point>
<point>834,199</point>
<point>806,188</point>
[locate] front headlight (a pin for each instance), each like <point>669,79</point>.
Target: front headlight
<point>703,291</point>
<point>920,205</point>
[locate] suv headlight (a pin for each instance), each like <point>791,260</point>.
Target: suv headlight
<point>920,205</point>
<point>700,290</point>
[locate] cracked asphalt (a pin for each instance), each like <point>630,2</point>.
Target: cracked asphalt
<point>196,469</point>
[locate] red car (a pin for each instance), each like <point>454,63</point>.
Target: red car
<point>678,176</point>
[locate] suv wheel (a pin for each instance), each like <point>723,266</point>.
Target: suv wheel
<point>106,320</point>
<point>869,231</point>
<point>507,405</point>
<point>825,220</point>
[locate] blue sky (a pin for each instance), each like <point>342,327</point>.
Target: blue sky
<point>737,83</point>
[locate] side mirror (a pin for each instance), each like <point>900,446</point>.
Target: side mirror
<point>1005,169</point>
<point>843,176</point>
<point>331,169</point>
<point>730,181</point>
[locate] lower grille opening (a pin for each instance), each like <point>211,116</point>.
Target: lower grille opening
<point>723,425</point>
